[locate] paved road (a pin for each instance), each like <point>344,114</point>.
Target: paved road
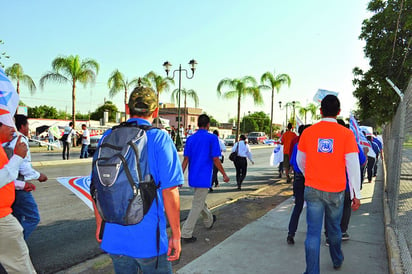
<point>65,236</point>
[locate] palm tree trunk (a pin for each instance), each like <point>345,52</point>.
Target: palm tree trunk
<point>158,118</point>
<point>125,103</point>
<point>271,113</point>
<point>238,118</point>
<point>74,103</point>
<point>18,87</point>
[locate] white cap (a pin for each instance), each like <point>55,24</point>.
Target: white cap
<point>6,118</point>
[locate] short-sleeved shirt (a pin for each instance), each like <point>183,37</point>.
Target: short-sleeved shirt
<point>287,138</point>
<point>139,241</point>
<point>201,148</point>
<point>86,141</point>
<point>325,145</point>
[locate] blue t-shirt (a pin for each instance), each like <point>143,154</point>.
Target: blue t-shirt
<point>201,148</point>
<point>139,241</point>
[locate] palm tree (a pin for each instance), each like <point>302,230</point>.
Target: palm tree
<point>158,83</point>
<point>117,82</point>
<point>15,72</point>
<point>311,108</point>
<point>186,93</point>
<point>272,81</point>
<point>239,88</point>
<point>72,70</point>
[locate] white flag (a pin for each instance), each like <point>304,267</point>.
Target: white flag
<point>9,99</point>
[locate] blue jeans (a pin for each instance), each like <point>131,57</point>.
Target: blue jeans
<point>318,204</point>
<point>298,191</point>
<point>128,265</point>
<point>83,152</point>
<point>26,212</point>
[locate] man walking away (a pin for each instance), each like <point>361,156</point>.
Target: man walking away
<point>286,140</point>
<point>66,139</point>
<point>202,150</point>
<point>243,153</point>
<point>142,248</point>
<point>215,180</point>
<point>325,151</point>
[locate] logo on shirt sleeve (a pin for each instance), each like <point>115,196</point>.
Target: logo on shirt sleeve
<point>325,145</point>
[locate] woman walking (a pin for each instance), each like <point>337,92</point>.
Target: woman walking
<point>243,152</point>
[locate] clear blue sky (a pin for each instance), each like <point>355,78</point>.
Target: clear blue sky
<point>315,42</point>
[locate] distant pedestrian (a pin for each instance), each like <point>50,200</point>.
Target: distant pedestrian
<point>243,153</point>
<point>85,142</point>
<point>298,190</point>
<point>215,180</point>
<point>286,140</point>
<point>202,150</point>
<point>51,139</point>
<point>326,151</point>
<point>66,139</point>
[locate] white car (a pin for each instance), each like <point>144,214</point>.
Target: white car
<point>94,140</point>
<point>230,140</point>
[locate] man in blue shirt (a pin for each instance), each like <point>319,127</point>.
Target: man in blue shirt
<point>134,248</point>
<point>202,150</point>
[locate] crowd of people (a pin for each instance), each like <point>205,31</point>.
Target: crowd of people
<point>327,164</point>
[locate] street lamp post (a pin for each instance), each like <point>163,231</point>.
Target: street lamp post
<point>293,105</point>
<point>167,66</point>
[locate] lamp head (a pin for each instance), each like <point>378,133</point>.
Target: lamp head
<point>193,64</point>
<point>167,66</point>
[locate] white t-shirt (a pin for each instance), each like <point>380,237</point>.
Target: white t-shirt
<point>86,137</point>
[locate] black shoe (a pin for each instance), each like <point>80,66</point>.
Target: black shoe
<point>280,175</point>
<point>290,240</point>
<point>336,267</point>
<point>214,220</point>
<point>345,236</point>
<point>239,188</point>
<point>189,240</point>
<point>216,184</point>
<point>210,189</point>
<point>327,243</point>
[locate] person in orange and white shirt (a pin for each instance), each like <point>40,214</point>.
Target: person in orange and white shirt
<point>14,254</point>
<point>326,151</point>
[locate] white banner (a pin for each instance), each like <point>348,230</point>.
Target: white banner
<point>9,99</point>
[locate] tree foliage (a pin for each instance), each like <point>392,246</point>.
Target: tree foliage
<point>43,111</point>
<point>240,88</point>
<point>107,106</point>
<point>71,70</point>
<point>16,73</point>
<point>118,82</point>
<point>257,121</point>
<point>388,37</point>
<point>272,82</point>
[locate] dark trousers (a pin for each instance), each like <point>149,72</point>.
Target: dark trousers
<point>371,164</point>
<point>66,150</point>
<point>375,168</point>
<point>241,169</point>
<point>346,213</point>
<point>298,192</point>
<point>214,175</point>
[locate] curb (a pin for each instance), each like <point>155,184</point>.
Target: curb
<point>391,240</point>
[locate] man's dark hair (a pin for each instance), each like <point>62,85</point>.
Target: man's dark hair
<point>290,126</point>
<point>216,132</point>
<point>242,137</point>
<point>300,129</point>
<point>84,125</point>
<point>330,106</point>
<point>20,120</point>
<point>70,124</point>
<point>341,122</point>
<point>203,121</point>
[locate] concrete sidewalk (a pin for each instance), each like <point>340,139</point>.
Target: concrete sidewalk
<point>261,247</point>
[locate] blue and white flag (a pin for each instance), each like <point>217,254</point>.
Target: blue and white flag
<point>9,99</point>
<point>321,93</point>
<point>298,122</point>
<point>357,131</point>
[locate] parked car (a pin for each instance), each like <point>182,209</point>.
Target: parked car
<point>256,137</point>
<point>94,140</point>
<point>229,140</point>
